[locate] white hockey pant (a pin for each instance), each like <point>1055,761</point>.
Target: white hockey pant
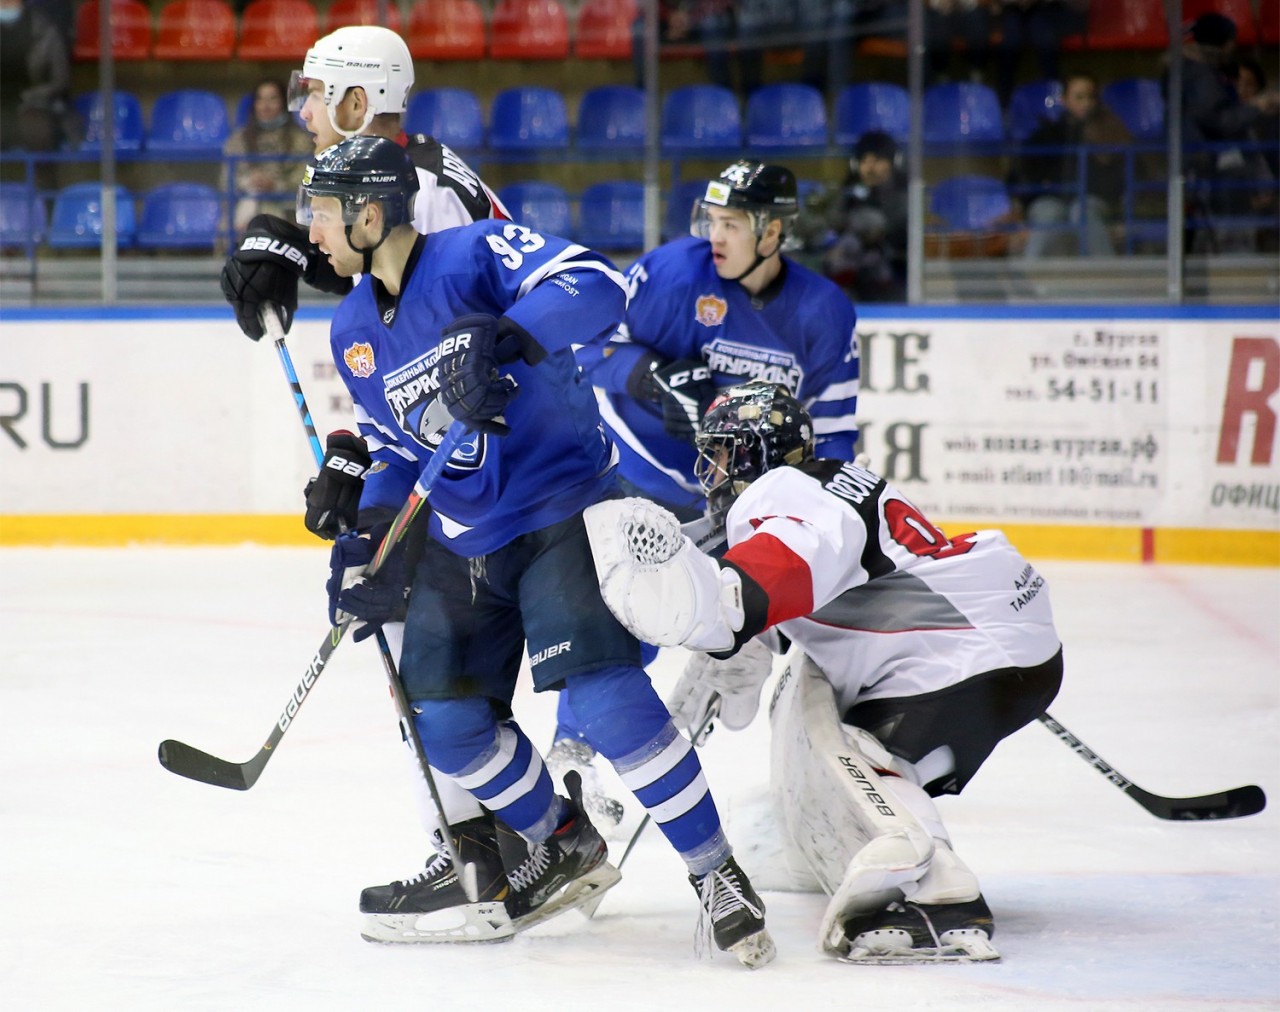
<point>456,801</point>
<point>869,832</point>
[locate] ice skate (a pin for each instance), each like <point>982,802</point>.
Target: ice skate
<point>733,914</point>
<point>906,932</point>
<point>567,871</point>
<point>571,754</point>
<point>433,907</point>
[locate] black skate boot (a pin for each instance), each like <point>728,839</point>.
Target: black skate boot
<point>566,871</point>
<point>905,932</point>
<point>571,754</point>
<point>733,914</point>
<point>433,907</point>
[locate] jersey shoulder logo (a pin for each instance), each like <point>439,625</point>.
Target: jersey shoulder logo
<point>710,310</point>
<point>359,359</point>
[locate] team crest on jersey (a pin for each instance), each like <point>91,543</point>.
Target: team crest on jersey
<point>359,359</point>
<point>709,310</point>
<point>412,393</point>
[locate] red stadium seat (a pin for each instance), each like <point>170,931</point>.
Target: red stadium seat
<point>196,30</point>
<point>604,30</point>
<point>1239,11</point>
<point>277,30</point>
<point>344,13</point>
<point>529,30</point>
<point>130,30</point>
<point>1269,22</point>
<point>1127,24</point>
<point>446,30</point>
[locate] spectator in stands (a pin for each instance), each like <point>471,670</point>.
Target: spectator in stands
<point>267,187</point>
<point>1047,184</point>
<point>35,79</point>
<point>948,21</point>
<point>1039,25</point>
<point>869,256</point>
<point>1223,180</point>
<point>1251,81</point>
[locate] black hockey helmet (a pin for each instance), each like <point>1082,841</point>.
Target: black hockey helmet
<point>360,171</point>
<point>747,430</point>
<point>765,192</point>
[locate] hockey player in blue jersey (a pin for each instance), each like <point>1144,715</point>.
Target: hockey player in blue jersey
<point>716,308</point>
<point>706,312</point>
<point>478,324</point>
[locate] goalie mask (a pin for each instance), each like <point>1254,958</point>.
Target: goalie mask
<point>359,172</point>
<point>749,429</point>
<point>359,56</point>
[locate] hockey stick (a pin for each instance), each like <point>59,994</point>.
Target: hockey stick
<point>186,761</point>
<point>1232,804</point>
<point>699,738</point>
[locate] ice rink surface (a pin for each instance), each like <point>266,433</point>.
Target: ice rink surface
<point>125,887</point>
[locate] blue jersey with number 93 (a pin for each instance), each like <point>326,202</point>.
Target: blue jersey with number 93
<point>558,458</point>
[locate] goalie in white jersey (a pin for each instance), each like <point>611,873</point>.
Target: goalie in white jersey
<point>919,654</point>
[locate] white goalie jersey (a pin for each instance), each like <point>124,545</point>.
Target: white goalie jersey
<point>881,600</point>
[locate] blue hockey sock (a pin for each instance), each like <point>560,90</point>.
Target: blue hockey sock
<point>495,761</point>
<point>567,725</point>
<point>625,721</point>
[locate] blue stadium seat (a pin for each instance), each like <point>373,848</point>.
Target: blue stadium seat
<point>1139,104</point>
<point>544,207</point>
<point>451,115</point>
<point>675,222</point>
<point>786,117</point>
<point>872,106</point>
<point>1032,104</point>
<point>127,126</point>
<point>701,117</point>
<point>970,203</point>
<point>188,120</point>
<point>77,217</point>
<point>22,216</point>
<point>612,216</point>
<point>611,117</point>
<point>962,113</point>
<point>179,216</point>
<point>528,118</point>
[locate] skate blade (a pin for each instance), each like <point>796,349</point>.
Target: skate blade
<point>583,893</point>
<point>754,951</point>
<point>470,922</point>
<point>960,945</point>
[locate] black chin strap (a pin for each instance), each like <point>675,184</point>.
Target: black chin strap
<point>368,253</point>
<point>758,261</point>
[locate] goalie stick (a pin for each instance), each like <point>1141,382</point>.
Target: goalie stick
<point>186,761</point>
<point>1235,803</point>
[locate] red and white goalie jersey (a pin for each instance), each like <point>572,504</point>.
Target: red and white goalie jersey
<point>881,600</point>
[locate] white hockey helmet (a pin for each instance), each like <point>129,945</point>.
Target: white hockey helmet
<point>359,56</point>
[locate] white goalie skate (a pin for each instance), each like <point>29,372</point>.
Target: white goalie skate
<point>905,932</point>
<point>568,754</point>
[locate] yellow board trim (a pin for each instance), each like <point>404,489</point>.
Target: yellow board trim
<point>1036,541</point>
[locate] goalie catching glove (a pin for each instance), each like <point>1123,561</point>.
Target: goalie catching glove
<point>657,583</point>
<point>735,681</point>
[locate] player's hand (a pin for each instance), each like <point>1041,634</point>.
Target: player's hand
<point>369,600</point>
<point>471,387</point>
<point>272,256</point>
<point>333,495</point>
<point>685,391</point>
<point>736,680</point>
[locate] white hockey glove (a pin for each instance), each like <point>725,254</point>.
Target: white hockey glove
<point>736,681</point>
<point>656,582</point>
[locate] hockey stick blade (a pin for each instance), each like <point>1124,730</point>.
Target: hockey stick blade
<point>1232,804</point>
<point>194,764</point>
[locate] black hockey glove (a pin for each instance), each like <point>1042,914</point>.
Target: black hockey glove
<point>272,256</point>
<point>333,495</point>
<point>472,349</point>
<point>685,390</point>
<point>373,600</point>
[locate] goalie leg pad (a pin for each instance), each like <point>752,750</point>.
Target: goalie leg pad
<point>656,582</point>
